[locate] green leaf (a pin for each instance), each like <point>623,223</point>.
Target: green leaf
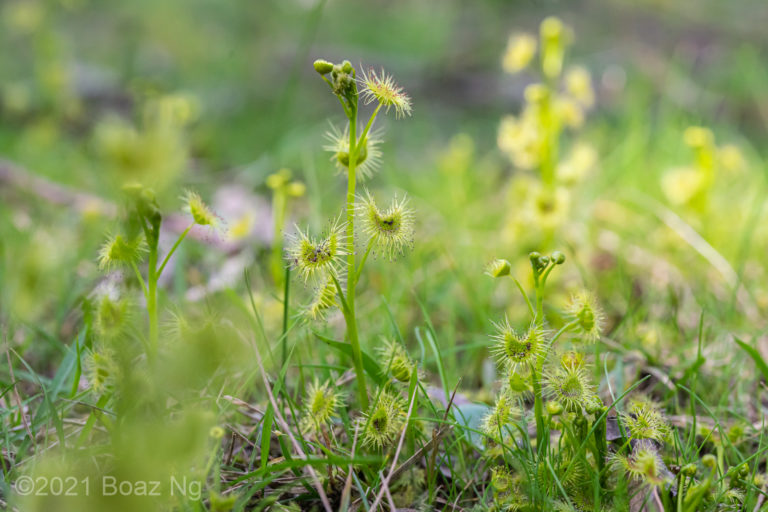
<point>428,334</point>
<point>756,357</point>
<point>370,365</point>
<point>266,435</point>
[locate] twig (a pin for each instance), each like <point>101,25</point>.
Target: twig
<point>231,449</point>
<point>388,494</point>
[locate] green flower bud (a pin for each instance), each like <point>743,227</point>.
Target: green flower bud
<point>709,460</point>
<point>594,406</point>
<point>323,66</point>
<point>498,268</point>
<point>400,364</point>
<point>216,432</point>
<point>554,408</point>
<point>278,179</point>
<point>501,479</point>
<point>688,470</point>
<point>743,470</point>
<point>572,359</point>
<point>343,82</point>
<point>736,433</point>
<point>558,257</point>
<point>518,383</point>
<point>401,369</point>
<point>296,189</point>
<point>346,66</point>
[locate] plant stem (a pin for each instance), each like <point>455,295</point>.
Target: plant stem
<point>351,281</point>
<point>173,250</point>
<point>141,279</point>
<point>680,486</point>
<point>551,126</point>
<point>525,295</point>
<point>279,203</point>
<point>152,277</point>
<point>563,329</point>
<point>286,291</point>
<point>370,123</point>
<point>538,403</point>
<point>538,409</point>
<point>365,257</point>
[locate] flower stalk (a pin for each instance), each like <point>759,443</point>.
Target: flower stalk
<point>355,154</point>
<point>351,319</point>
<point>129,251</point>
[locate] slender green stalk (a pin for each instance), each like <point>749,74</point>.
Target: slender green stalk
<point>173,250</point>
<point>365,257</point>
<point>370,123</point>
<point>680,486</point>
<point>538,402</point>
<point>93,417</point>
<point>141,279</point>
<point>356,361</point>
<point>278,215</point>
<point>344,307</point>
<point>352,334</point>
<point>152,300</point>
<point>286,291</point>
<point>551,124</point>
<point>538,409</point>
<point>525,295</point>
<point>543,357</point>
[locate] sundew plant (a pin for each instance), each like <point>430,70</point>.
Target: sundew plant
<point>576,461</point>
<point>548,170</point>
<point>237,277</point>
<point>330,259</point>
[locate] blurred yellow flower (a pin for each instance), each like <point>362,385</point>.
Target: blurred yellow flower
<point>242,226</point>
<point>172,110</point>
<point>520,51</point>
<point>554,37</point>
<point>578,83</point>
<point>682,184</point>
<point>569,111</point>
<point>730,158</point>
<point>580,161</point>
<point>548,209</point>
<point>521,139</point>
<point>698,136</point>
